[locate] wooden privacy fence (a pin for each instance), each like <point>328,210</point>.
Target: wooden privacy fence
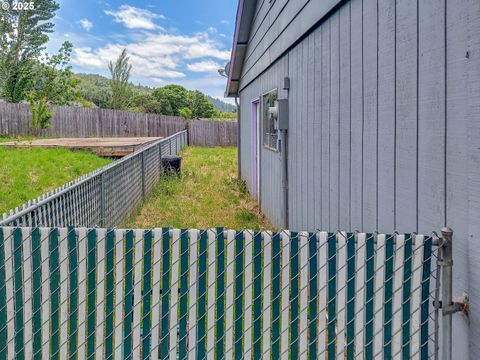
<point>15,120</point>
<point>195,294</point>
<point>105,197</point>
<point>212,133</point>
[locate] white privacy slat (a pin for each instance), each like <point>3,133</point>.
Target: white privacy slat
<point>416,296</point>
<point>284,335</point>
<point>193,294</point>
<point>322,238</point>
<point>119,292</point>
<point>82,291</point>
<point>229,294</point>
<point>45,251</point>
<point>360,269</point>
<point>248,293</point>
<point>157,256</point>
<point>137,295</point>
<point>379,296</point>
<point>175,268</point>
<point>211,292</point>
<point>303,323</point>
<point>64,272</point>
<point>27,292</point>
<point>8,245</point>
<point>100,306</point>
<point>341,305</point>
<point>267,291</point>
<point>397,296</point>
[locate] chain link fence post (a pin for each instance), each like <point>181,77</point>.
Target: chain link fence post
<point>102,200</point>
<point>446,262</point>
<point>143,175</point>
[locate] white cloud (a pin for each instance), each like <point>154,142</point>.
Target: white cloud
<point>86,24</point>
<point>158,55</point>
<point>224,22</point>
<point>212,30</point>
<point>204,66</point>
<point>135,18</point>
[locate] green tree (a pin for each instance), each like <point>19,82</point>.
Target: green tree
<point>172,98</point>
<point>185,113</point>
<point>23,35</point>
<point>200,105</point>
<point>41,114</point>
<point>120,89</point>
<point>54,78</point>
<point>146,103</point>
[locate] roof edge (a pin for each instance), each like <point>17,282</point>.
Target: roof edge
<point>245,13</point>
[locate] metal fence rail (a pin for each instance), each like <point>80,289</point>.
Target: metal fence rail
<point>105,197</point>
<point>195,294</point>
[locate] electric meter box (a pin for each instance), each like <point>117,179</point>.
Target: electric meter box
<point>282,114</point>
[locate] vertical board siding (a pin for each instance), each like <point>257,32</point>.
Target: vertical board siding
<point>295,295</point>
<point>407,116</point>
<point>408,94</point>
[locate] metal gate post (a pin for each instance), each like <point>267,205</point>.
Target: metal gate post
<point>102,200</point>
<point>143,175</point>
<point>447,296</point>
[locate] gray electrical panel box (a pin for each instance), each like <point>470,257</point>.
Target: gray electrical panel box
<point>282,105</point>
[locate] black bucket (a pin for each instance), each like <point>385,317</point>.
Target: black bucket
<point>171,164</point>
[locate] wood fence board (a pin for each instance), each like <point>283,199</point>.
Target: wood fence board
<point>15,120</point>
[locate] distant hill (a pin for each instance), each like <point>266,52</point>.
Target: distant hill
<point>222,105</point>
<point>95,88</point>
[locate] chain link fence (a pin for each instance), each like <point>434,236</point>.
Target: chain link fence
<point>83,293</point>
<point>105,197</point>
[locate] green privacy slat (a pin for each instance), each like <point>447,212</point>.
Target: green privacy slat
<point>147,293</point>
<point>73,295</point>
<point>18,278</point>
<point>91,291</point>
<point>3,300</point>
<point>37,293</point>
<point>294,294</point>
<point>109,292</point>
<point>164,347</point>
<point>276,295</point>
<point>220,303</point>
<point>407,284</point>
<point>424,306</point>
<point>388,300</point>
<point>331,292</point>
<point>238,309</point>
<point>184,243</point>
<point>128,303</point>
<point>369,295</point>
<point>313,295</point>
<point>202,290</point>
<point>257,295</point>
<point>350,295</point>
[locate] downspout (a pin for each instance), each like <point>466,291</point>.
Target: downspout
<point>284,150</point>
<point>238,139</point>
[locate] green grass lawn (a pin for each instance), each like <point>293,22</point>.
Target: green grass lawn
<point>28,173</point>
<point>207,194</point>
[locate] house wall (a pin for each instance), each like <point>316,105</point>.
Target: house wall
<point>271,195</point>
<point>384,135</point>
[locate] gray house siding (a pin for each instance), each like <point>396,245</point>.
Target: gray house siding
<point>384,110</point>
<point>271,194</point>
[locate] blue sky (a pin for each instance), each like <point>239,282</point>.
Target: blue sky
<point>169,42</point>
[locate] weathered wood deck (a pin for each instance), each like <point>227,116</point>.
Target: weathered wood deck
<point>107,146</point>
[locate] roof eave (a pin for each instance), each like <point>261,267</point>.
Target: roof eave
<point>245,12</point>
